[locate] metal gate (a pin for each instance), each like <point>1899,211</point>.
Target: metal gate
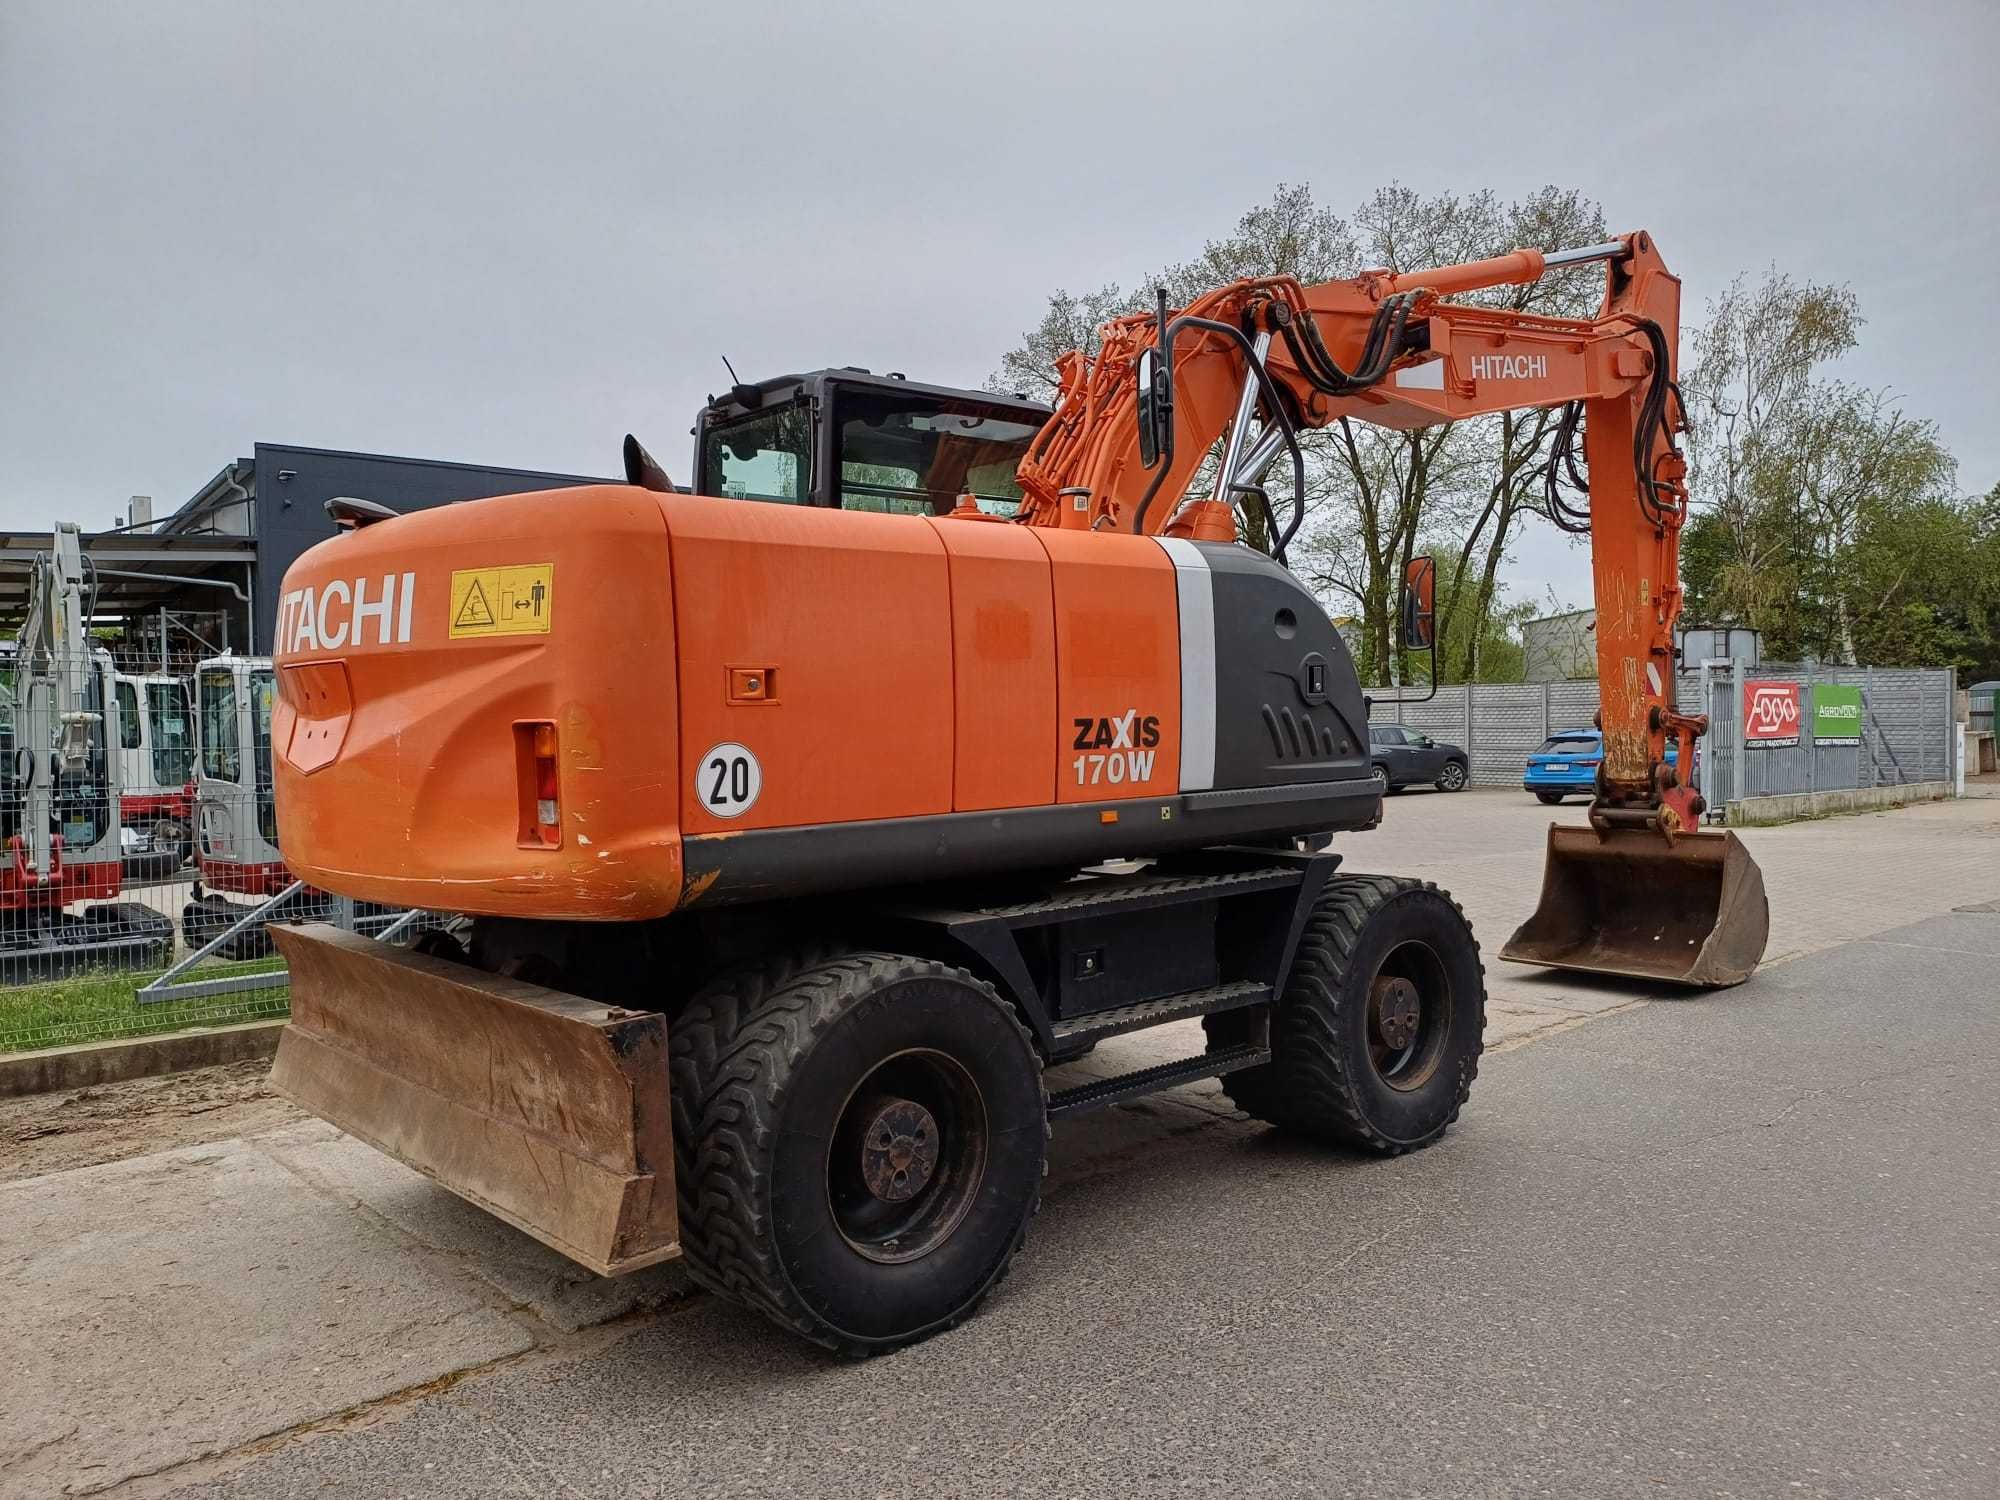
<point>1903,733</point>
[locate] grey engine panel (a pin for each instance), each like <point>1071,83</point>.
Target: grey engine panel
<point>1288,702</point>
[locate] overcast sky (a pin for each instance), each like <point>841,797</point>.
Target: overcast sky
<point>508,233</point>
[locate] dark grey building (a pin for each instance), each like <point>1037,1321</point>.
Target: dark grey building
<point>271,507</point>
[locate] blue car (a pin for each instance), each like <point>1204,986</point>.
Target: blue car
<point>1567,762</point>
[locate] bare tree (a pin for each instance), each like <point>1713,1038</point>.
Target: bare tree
<point>1546,220</point>
<point>1030,367</point>
<point>1373,496</point>
<point>1464,488</point>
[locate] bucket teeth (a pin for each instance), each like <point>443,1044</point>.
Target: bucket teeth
<point>1626,902</point>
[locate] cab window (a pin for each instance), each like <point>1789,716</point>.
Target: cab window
<point>263,689</point>
<point>173,733</point>
<point>765,457</point>
<point>129,729</point>
<point>916,454</point>
<point>221,749</point>
<point>882,487</point>
<point>82,801</point>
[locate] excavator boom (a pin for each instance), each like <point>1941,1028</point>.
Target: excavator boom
<point>1244,367</point>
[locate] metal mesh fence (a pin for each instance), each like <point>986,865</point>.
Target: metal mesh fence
<point>139,860</point>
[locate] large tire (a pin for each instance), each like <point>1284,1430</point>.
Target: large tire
<point>783,1160</point>
<point>1331,1076</point>
<point>1453,777</point>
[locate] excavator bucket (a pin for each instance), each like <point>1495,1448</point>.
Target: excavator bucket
<point>547,1110</point>
<point>1628,902</point>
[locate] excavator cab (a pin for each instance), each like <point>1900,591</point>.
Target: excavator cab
<point>850,440</point>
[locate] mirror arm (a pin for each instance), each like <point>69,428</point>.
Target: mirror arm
<point>1407,609</point>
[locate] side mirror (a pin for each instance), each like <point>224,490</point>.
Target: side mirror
<point>1156,408</point>
<point>1419,604</point>
<point>351,514</point>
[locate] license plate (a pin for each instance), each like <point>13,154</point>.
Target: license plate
<point>1556,765</point>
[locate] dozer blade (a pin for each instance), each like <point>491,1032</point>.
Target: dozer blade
<point>546,1110</point>
<point>1690,912</point>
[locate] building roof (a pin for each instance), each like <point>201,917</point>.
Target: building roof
<point>198,556</point>
<point>137,571</point>
<point>234,482</point>
<point>1568,614</point>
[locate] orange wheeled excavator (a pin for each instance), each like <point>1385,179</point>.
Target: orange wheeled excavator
<point>810,827</point>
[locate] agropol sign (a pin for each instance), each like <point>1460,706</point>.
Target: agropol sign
<point>1772,712</point>
<point>1836,714</point>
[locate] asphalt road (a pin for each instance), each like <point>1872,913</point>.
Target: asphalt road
<point>1744,1244</point>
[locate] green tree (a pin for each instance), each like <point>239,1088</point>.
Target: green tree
<point>1921,587</point>
<point>1826,516</point>
<point>1748,369</point>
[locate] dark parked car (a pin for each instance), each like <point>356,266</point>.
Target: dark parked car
<point>1403,757</point>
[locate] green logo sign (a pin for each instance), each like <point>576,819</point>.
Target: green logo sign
<point>1836,714</point>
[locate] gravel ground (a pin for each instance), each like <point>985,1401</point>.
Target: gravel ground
<point>110,1122</point>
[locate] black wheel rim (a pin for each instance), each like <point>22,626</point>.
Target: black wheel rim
<point>907,1156</point>
<point>1409,1016</point>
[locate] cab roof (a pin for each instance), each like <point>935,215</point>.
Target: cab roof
<point>776,390</point>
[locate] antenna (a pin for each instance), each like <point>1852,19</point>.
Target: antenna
<point>746,396</point>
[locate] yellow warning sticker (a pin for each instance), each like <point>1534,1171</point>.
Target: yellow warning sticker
<point>518,600</point>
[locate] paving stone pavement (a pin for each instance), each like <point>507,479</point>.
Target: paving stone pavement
<point>1828,881</point>
<point>164,1314</point>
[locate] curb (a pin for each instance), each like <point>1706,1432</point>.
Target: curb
<point>90,1063</point>
<point>1795,807</point>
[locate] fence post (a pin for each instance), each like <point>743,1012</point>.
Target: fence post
<point>1806,738</point>
<point>1739,784</point>
<point>1867,715</point>
<point>1954,734</point>
<point>1704,750</point>
<point>1471,755</point>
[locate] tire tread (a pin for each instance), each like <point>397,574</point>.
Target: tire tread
<point>1309,1085</point>
<point>732,1051</point>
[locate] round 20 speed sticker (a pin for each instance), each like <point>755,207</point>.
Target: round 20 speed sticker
<point>728,780</point>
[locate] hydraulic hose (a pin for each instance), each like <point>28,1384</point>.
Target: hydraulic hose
<point>1272,398</point>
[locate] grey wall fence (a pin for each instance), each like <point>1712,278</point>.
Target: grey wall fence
<point>1907,733</point>
<point>1907,730</point>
